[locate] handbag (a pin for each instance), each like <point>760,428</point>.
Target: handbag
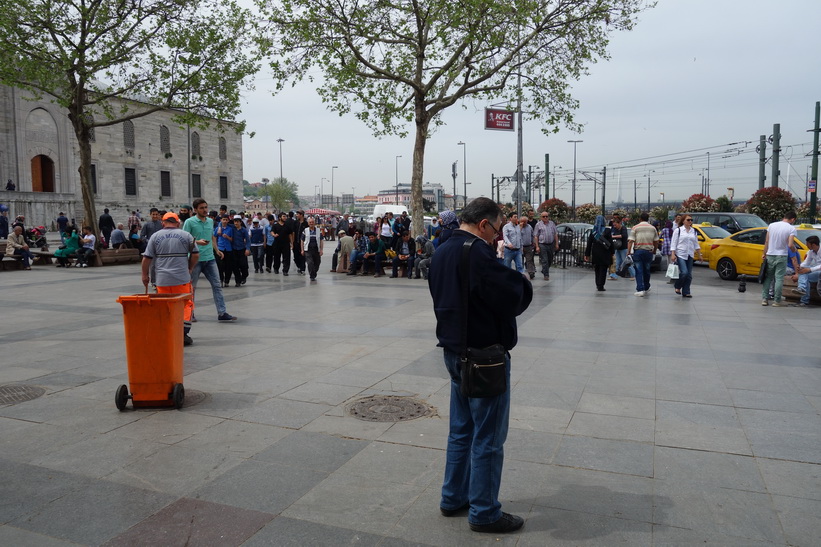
<point>762,271</point>
<point>617,244</point>
<point>483,370</point>
<point>672,271</point>
<point>390,254</point>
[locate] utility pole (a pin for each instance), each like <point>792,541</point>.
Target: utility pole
<point>814,175</point>
<point>603,186</point>
<point>574,178</point>
<point>546,181</point>
<point>635,196</point>
<point>776,153</point>
<point>464,171</point>
<point>648,192</point>
<point>492,185</point>
<point>453,174</point>
<point>762,161</point>
<point>706,183</point>
<point>530,184</point>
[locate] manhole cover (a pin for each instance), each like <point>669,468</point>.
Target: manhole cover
<point>13,394</point>
<point>388,408</point>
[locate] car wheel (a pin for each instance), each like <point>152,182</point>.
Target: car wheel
<point>726,269</point>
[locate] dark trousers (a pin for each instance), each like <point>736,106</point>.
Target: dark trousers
<point>240,266</point>
<point>600,271</point>
<point>269,256</point>
<point>312,262</point>
<point>299,260</point>
<point>226,266</point>
<point>376,260</point>
<point>258,253</point>
<point>546,257</point>
<point>397,263</point>
<point>83,254</point>
<point>282,257</point>
<point>106,236</point>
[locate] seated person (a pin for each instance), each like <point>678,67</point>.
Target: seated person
<point>71,242</point>
<point>16,245</point>
<point>118,239</point>
<point>405,249</point>
<point>375,255</point>
<point>793,258</point>
<point>360,248</point>
<point>808,272</point>
<point>424,251</point>
<point>89,241</point>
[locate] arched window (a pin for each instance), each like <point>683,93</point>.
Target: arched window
<point>165,140</point>
<point>223,149</point>
<point>195,144</point>
<point>128,134</point>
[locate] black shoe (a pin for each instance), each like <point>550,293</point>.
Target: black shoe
<point>507,523</point>
<point>187,340</point>
<point>226,317</point>
<point>276,272</point>
<point>238,285</point>
<point>351,273</point>
<point>268,270</point>
<point>393,276</point>
<point>285,274</point>
<point>454,512</point>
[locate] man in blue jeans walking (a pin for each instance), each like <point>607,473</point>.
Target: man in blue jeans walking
<point>642,244</point>
<point>478,426</point>
<point>201,226</point>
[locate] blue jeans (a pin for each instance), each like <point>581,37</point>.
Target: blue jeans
<point>642,260</point>
<point>776,266</point>
<point>621,254</point>
<point>804,281</point>
<point>209,269</point>
<point>513,255</point>
<point>475,453</point>
<point>685,274</point>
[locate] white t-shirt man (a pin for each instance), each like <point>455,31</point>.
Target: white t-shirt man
<point>779,238</point>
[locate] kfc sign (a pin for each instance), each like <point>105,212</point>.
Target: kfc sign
<point>499,120</point>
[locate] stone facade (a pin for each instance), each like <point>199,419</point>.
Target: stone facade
<point>148,162</point>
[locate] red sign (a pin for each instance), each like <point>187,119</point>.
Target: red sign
<point>498,119</point>
<point>812,186</point>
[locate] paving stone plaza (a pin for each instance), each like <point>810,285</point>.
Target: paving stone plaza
<point>634,421</point>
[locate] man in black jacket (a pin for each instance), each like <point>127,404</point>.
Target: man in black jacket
<point>405,249</point>
<point>106,225</point>
<point>478,426</point>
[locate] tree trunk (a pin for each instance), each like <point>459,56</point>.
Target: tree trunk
<point>82,133</point>
<point>421,139</point>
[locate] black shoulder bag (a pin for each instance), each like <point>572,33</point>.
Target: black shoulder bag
<point>484,373</point>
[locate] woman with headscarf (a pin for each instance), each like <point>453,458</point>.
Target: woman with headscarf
<point>600,250</point>
<point>448,223</point>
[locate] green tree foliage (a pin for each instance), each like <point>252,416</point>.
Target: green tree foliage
<point>558,209</point>
<point>393,64</point>
<point>282,194</point>
<point>660,212</point>
<point>724,204</point>
<point>771,203</point>
<point>108,61</point>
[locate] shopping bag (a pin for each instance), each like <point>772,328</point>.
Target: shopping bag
<point>672,271</point>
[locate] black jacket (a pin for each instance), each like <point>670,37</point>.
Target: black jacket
<point>497,295</point>
<point>601,256</point>
<point>397,247</point>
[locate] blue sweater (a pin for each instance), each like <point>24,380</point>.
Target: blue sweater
<point>497,296</point>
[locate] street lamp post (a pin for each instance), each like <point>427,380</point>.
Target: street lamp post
<point>280,141</point>
<point>353,198</point>
<point>322,192</point>
<point>396,161</point>
<point>573,205</point>
<point>332,183</point>
<point>464,171</point>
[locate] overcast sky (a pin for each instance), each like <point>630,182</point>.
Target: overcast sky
<point>694,76</point>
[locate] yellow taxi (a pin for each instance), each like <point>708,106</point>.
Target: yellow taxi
<point>707,234</point>
<point>741,252</point>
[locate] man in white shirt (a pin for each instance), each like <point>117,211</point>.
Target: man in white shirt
<point>780,239</point>
<point>808,272</point>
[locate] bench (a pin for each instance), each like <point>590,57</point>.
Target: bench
<point>9,262</point>
<point>119,256</point>
<point>789,285</point>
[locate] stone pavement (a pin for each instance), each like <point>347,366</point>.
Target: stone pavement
<point>635,421</point>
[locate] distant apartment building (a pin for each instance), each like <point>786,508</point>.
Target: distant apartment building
<point>401,195</point>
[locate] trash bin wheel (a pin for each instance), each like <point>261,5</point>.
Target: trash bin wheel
<point>178,395</point>
<point>121,397</point>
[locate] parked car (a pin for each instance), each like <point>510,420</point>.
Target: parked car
<point>573,239</point>
<point>741,252</point>
<point>732,222</point>
<point>707,234</point>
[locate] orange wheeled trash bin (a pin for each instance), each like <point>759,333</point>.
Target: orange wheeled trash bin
<point>153,345</point>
